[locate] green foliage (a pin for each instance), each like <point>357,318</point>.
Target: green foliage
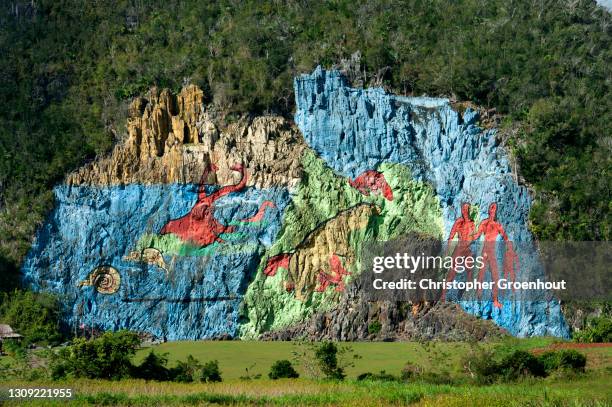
<point>35,316</point>
<point>382,376</point>
<point>568,359</point>
<point>374,328</point>
<point>494,365</point>
<point>326,355</point>
<point>598,330</point>
<point>106,357</point>
<point>14,348</point>
<point>153,367</point>
<point>518,364</point>
<point>185,372</point>
<point>571,359</point>
<point>325,358</point>
<point>411,371</point>
<point>282,369</point>
<point>210,372</point>
<point>480,364</point>
<point>434,375</point>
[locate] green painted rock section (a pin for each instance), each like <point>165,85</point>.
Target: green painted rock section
<point>321,196</point>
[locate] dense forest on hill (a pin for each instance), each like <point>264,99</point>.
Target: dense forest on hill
<point>69,67</point>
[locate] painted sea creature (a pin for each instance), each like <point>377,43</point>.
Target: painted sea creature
<point>199,226</point>
<point>106,279</point>
<point>258,217</point>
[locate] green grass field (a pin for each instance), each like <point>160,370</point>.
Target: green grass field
<point>590,389</point>
<point>236,356</point>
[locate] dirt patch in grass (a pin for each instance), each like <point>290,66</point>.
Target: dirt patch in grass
<point>570,345</point>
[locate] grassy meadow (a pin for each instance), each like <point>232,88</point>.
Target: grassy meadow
<point>235,357</point>
<point>585,391</point>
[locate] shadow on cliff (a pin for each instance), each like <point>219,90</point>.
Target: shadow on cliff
<point>9,275</point>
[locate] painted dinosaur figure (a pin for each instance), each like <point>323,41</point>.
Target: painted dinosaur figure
<point>320,252</point>
<point>200,226</point>
<point>372,181</point>
<point>335,278</point>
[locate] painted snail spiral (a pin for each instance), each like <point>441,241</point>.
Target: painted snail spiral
<point>106,279</point>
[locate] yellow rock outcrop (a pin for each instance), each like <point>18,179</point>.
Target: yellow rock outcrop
<point>171,138</point>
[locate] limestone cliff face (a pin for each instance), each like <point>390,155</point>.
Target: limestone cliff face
<point>172,139</point>
<point>191,230</point>
<point>351,318</point>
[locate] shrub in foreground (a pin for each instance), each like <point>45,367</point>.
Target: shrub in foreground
<point>481,365</point>
<point>411,371</point>
<point>106,357</point>
<point>185,372</point>
<point>485,368</point>
<point>210,372</point>
<point>520,364</point>
<point>567,359</point>
<point>382,376</point>
<point>153,367</point>
<point>282,369</point>
<point>327,358</point>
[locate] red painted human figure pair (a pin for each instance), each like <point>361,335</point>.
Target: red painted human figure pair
<point>491,229</point>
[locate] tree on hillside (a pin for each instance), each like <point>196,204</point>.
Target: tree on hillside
<point>36,316</point>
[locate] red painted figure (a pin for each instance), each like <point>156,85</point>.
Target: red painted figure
<point>372,182</point>
<point>464,229</point>
<point>511,261</point>
<point>335,278</point>
<point>199,226</point>
<point>491,229</point>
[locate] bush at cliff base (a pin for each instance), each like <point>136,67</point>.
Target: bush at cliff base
<point>106,357</point>
<point>598,330</point>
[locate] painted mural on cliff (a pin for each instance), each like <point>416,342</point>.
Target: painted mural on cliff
<point>187,231</point>
<point>356,130</point>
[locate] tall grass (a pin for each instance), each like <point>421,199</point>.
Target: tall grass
<point>586,390</point>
